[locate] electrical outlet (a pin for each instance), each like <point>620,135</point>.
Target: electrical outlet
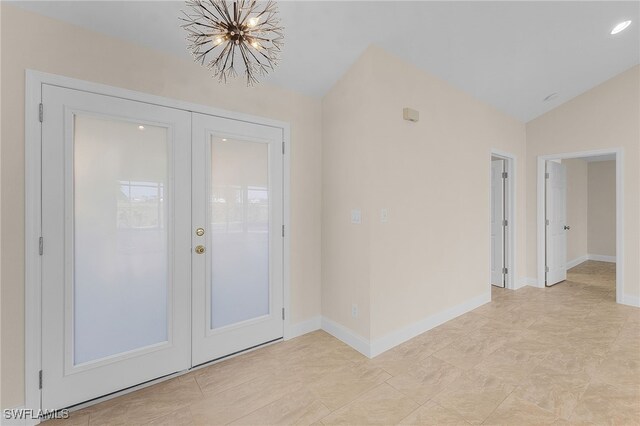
<point>354,310</point>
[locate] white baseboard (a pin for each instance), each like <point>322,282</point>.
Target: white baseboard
<point>532,282</point>
<point>401,335</point>
<point>304,327</point>
<point>521,282</point>
<point>630,300</point>
<point>410,331</point>
<point>602,258</point>
<point>577,261</point>
<point>348,336</point>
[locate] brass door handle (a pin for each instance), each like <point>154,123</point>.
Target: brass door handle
<point>199,249</point>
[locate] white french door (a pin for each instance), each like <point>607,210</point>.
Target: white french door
<point>556,223</point>
<point>116,231</point>
<point>237,236</point>
<point>497,223</point>
<point>162,237</point>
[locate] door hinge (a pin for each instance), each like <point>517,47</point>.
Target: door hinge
<point>282,231</point>
<point>546,175</point>
<point>40,379</point>
<point>546,269</point>
<point>505,222</point>
<point>505,270</point>
<point>505,175</point>
<point>40,246</point>
<point>41,112</point>
<point>546,222</point>
<point>282,147</point>
<point>282,313</point>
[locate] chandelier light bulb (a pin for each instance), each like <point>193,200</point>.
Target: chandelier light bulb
<point>252,22</point>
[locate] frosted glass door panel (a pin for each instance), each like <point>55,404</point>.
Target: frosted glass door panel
<point>239,231</point>
<point>120,237</point>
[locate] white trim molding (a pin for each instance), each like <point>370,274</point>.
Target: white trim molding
<point>374,348</point>
<point>304,327</point>
<point>34,80</point>
<point>598,257</point>
<point>578,260</point>
<point>531,282</point>
<point>631,300</point>
<point>348,336</point>
<point>410,331</point>
<point>511,202</point>
<point>540,230</point>
<point>602,258</point>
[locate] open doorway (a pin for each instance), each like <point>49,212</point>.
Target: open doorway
<point>579,224</point>
<point>502,212</point>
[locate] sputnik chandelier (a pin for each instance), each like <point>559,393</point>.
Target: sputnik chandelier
<point>226,35</point>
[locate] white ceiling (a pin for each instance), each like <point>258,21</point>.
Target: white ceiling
<point>508,54</point>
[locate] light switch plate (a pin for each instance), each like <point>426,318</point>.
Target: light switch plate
<point>384,215</point>
<point>356,216</point>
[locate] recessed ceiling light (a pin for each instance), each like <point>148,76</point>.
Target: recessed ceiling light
<point>141,127</point>
<point>620,27</point>
<point>550,97</point>
<point>224,140</point>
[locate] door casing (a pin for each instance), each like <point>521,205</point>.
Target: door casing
<point>540,228</point>
<point>510,215</point>
<point>33,157</point>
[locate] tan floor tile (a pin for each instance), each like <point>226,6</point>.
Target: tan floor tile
<point>605,404</point>
<point>509,365</point>
<point>299,408</point>
<point>474,396</point>
<point>467,353</point>
<point>338,388</point>
<point>239,401</point>
<point>161,399</point>
<point>517,411</point>
<point>433,414</point>
<point>382,405</point>
<point>78,418</point>
<point>620,368</point>
<point>178,418</point>
<point>552,391</point>
<point>426,379</point>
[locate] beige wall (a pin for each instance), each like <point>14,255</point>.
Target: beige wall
<point>576,208</point>
<point>602,208</point>
<point>39,43</point>
<point>347,128</point>
<point>433,177</point>
<point>606,116</point>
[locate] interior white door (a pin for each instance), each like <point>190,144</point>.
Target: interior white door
<point>116,272</point>
<point>497,223</point>
<point>237,236</point>
<point>556,222</point>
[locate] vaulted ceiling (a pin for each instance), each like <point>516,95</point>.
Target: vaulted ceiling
<point>508,54</point>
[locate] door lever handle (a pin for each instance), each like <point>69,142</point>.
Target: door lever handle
<point>566,227</point>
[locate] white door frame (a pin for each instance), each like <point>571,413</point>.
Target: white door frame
<point>510,200</point>
<point>33,156</point>
<point>540,230</point>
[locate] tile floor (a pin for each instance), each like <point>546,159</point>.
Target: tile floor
<point>565,355</point>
